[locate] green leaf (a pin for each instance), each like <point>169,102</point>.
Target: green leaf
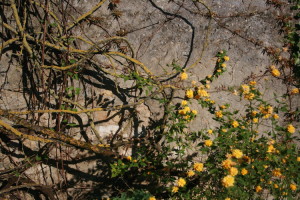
<point>77,90</point>
<point>53,24</point>
<point>72,124</point>
<point>38,158</point>
<point>72,61</point>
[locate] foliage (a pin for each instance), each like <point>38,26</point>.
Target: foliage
<point>68,81</point>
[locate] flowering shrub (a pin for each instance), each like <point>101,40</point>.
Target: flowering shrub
<point>69,81</point>
<point>250,154</point>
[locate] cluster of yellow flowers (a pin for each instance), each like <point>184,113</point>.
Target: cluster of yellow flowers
<point>266,110</point>
<point>229,165</point>
<point>247,90</point>
<point>271,149</point>
<point>236,162</point>
<point>201,93</point>
<point>186,111</point>
<point>221,64</point>
<point>181,182</point>
<point>277,172</point>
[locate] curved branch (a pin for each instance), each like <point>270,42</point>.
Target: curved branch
<point>82,17</point>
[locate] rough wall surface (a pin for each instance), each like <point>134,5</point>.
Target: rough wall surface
<point>160,32</point>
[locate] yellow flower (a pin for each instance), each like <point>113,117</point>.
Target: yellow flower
<point>266,116</point>
<point>295,91</point>
<point>152,198</point>
<point>226,58</point>
<point>198,167</point>
<point>271,149</point>
<point>227,198</point>
<point>275,72</point>
<point>233,171</point>
<point>269,109</point>
<point>291,128</point>
<point>254,113</point>
<point>276,172</point>
<point>190,173</point>
<point>181,182</point>
<point>129,158</point>
<point>266,110</point>
<point>184,103</point>
<point>249,96</point>
<point>293,187</point>
<point>258,189</point>
<point>244,171</point>
<point>194,112</point>
<point>252,83</point>
<point>222,107</point>
<point>276,186</point>
<point>219,114</point>
<point>183,76</point>
<point>208,143</point>
<point>184,111</point>
<point>235,124</point>
<point>187,117</point>
<point>207,86</point>
<point>175,189</point>
<point>255,120</point>
<point>228,181</point>
<point>189,94</point>
<point>271,142</point>
<point>245,89</point>
<point>209,131</point>
<point>187,109</point>
<point>237,153</point>
<point>275,116</point>
<point>298,159</point>
<point>223,65</point>
<point>202,93</point>
<point>227,164</point>
<point>224,130</point>
<point>219,70</point>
